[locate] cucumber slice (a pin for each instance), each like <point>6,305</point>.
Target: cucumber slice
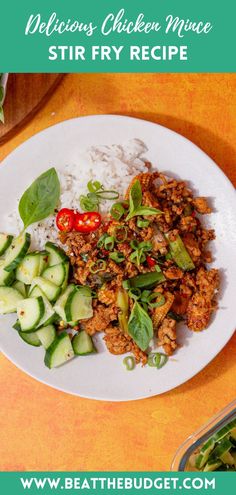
<point>220,450</point>
<point>17,326</point>
<point>212,466</point>
<point>67,269</point>
<point>30,338</point>
<point>233,433</point>
<point>9,298</point>
<point>49,313</point>
<point>227,458</point>
<point>59,307</point>
<point>56,273</point>
<point>28,269</point>
<point>56,254</point>
<point>47,335</point>
<point>205,451</point>
<point>29,312</point>
<point>79,305</point>
<point>5,241</point>
<point>59,352</point>
<point>6,278</point>
<point>43,261</point>
<point>50,290</point>
<point>16,252</point>
<point>20,287</point>
<point>82,344</point>
<point>224,431</point>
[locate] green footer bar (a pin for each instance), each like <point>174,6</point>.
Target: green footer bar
<point>71,483</point>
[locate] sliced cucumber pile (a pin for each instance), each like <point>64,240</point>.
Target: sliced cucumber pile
<point>219,451</point>
<point>35,286</point>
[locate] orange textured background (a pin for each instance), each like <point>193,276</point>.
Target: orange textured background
<point>43,429</point>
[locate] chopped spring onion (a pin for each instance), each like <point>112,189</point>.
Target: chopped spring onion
<point>96,193</point>
<point>106,241</point>
<point>137,257</point>
<point>120,233</point>
<point>94,186</point>
<point>157,360</point>
<point>109,242</point>
<point>160,300</point>
<point>98,266</point>
<point>129,363</point>
<point>101,240</point>
<point>134,294</point>
<point>117,211</point>
<point>117,257</point>
<point>87,204</point>
<point>108,194</point>
<point>157,268</point>
<point>142,223</point>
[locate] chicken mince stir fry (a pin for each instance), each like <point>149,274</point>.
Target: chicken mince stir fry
<point>145,265</point>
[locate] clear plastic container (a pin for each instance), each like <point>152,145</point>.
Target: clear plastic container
<point>181,458</point>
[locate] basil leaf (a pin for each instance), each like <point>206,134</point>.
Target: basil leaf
<point>140,326</point>
<point>135,196</point>
<point>143,210</point>
<point>40,199</point>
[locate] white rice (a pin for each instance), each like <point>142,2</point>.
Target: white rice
<point>114,166</point>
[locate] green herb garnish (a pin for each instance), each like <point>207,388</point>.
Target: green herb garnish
<point>129,363</point>
<point>140,326</point>
<point>117,210</point>
<point>96,194</point>
<point>40,199</point>
<point>98,266</point>
<point>157,360</point>
<point>135,203</point>
<point>138,256</point>
<point>117,257</point>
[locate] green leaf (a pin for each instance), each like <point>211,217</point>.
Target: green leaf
<point>143,210</point>
<point>135,196</point>
<point>140,326</point>
<point>40,199</point>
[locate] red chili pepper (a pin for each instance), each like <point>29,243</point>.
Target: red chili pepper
<point>65,220</point>
<point>150,261</point>
<point>87,222</point>
<point>193,214</point>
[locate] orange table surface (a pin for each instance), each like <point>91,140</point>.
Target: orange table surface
<point>43,429</point>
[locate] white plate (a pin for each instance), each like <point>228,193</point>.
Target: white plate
<point>102,376</point>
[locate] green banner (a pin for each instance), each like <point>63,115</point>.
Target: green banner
<point>104,483</point>
<point>117,36</point>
